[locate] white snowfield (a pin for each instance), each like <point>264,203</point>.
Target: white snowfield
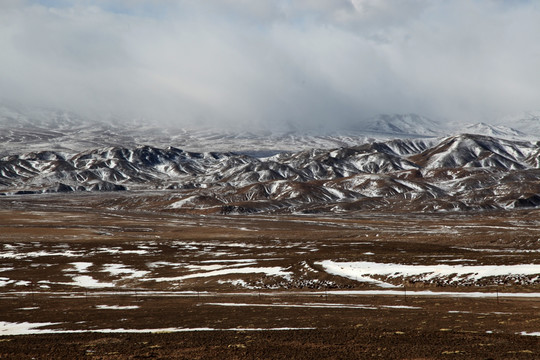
<point>364,271</point>
<point>86,281</point>
<point>26,328</point>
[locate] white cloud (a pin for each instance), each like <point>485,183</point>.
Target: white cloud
<point>307,63</point>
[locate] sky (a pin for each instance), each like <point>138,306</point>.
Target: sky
<point>300,64</point>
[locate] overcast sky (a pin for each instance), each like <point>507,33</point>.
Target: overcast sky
<point>302,63</point>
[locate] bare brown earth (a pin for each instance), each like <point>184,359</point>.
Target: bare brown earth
<point>309,314</point>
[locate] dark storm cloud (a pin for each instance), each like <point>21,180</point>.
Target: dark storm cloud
<point>305,64</point>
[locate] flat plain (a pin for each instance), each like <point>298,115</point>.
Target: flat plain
<point>81,278</point>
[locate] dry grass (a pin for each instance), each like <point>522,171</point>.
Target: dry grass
<point>436,327</point>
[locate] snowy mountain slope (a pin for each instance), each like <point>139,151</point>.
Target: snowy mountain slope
<point>403,125</point>
<point>527,123</point>
<point>19,116</point>
<point>26,129</point>
<point>37,129</point>
<point>475,151</point>
<point>456,173</point>
<point>500,131</point>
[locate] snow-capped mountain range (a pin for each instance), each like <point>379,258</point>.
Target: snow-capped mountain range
<point>37,129</point>
<point>400,162</point>
<point>463,172</point>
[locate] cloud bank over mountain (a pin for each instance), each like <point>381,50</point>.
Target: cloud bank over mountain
<point>291,64</point>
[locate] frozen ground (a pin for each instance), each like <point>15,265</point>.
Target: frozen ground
<point>70,268</point>
<point>277,265</point>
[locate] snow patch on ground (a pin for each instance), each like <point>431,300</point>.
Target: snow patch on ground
<point>524,333</point>
<point>86,281</point>
<point>238,283</point>
<point>318,305</point>
<point>401,307</point>
<point>116,307</point>
<point>364,271</point>
<point>156,264</point>
<point>22,328</point>
<point>5,281</point>
<point>117,251</point>
<point>25,328</point>
<point>36,254</point>
<point>121,269</point>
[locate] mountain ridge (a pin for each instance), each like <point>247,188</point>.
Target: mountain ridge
<point>462,172</point>
<point>35,129</point>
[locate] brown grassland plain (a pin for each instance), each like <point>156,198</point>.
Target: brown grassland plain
<point>100,278</point>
